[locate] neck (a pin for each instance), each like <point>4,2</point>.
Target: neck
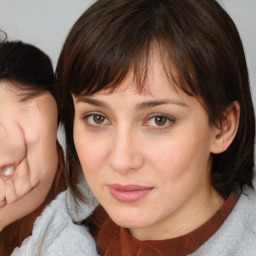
<point>184,220</point>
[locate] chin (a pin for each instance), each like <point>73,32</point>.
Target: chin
<point>128,219</point>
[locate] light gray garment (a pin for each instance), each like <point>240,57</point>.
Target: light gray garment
<point>61,237</point>
<point>54,232</point>
<point>237,235</point>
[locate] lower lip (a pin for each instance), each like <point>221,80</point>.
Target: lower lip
<point>128,196</point>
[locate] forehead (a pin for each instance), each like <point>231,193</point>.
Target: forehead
<point>6,86</point>
<point>9,95</point>
<point>32,116</point>
<point>12,90</point>
<point>17,101</point>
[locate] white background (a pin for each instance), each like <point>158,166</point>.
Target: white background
<point>45,23</point>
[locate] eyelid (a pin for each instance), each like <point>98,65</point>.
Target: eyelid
<point>162,115</point>
<point>91,113</point>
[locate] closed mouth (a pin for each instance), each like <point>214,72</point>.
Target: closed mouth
<point>129,193</point>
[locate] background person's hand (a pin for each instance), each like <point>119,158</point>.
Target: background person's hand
<point>13,188</point>
<point>28,151</point>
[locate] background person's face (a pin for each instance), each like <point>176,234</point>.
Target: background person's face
<point>146,157</point>
<point>27,147</point>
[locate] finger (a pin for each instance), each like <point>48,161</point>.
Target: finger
<point>2,188</point>
<point>2,193</point>
<point>19,184</point>
<point>10,190</point>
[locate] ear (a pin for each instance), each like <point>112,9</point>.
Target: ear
<point>226,132</point>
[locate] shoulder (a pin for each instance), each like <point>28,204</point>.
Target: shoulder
<point>55,233</point>
<point>237,235</point>
<point>73,240</point>
<point>246,222</point>
<point>245,211</point>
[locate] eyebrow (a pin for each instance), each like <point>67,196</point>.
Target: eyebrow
<point>154,103</point>
<point>140,106</point>
<point>94,102</point>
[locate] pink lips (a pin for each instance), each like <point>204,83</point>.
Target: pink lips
<point>128,193</point>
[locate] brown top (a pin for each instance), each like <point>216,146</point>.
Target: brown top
<point>113,240</point>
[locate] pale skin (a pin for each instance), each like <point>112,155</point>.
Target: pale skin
<point>28,129</point>
<point>147,157</point>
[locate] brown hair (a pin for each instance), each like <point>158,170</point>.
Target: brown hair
<point>28,67</point>
<point>202,53</point>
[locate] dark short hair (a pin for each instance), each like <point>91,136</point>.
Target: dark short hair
<point>201,51</point>
<point>28,67</point>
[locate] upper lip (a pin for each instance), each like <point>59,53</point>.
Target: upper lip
<point>130,187</point>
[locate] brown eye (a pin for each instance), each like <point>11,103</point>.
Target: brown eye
<point>98,119</point>
<point>160,120</point>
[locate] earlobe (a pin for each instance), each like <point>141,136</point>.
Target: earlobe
<point>225,134</point>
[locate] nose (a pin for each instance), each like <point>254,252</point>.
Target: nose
<point>125,155</point>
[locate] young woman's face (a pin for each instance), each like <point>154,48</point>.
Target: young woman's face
<point>28,161</point>
<point>146,157</point>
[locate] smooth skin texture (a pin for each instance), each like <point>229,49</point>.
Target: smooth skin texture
<point>160,140</point>
<point>28,129</point>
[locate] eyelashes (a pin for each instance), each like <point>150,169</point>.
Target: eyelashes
<point>154,121</point>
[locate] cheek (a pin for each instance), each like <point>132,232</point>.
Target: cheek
<point>42,154</point>
<point>91,153</point>
<point>179,156</point>
<point>91,149</point>
<point>167,152</point>
<point>92,159</point>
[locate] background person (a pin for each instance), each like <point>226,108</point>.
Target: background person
<point>28,130</point>
<point>31,160</point>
